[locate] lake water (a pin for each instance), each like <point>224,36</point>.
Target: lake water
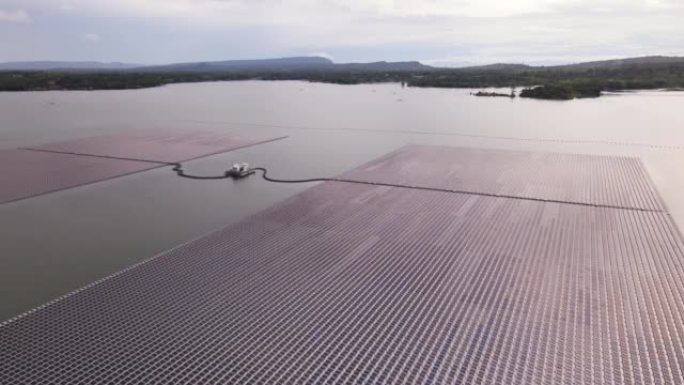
<point>58,242</point>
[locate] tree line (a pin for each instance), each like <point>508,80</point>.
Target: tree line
<point>538,82</point>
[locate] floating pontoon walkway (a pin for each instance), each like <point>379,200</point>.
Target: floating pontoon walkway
<point>33,171</point>
<point>351,283</point>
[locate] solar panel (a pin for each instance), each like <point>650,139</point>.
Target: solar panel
<point>349,284</point>
<point>584,179</point>
<point>157,146</point>
<point>26,173</point>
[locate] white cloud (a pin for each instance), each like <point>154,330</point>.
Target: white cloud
<point>92,37</point>
<point>17,16</point>
<point>354,30</point>
<point>271,9</point>
<point>321,54</point>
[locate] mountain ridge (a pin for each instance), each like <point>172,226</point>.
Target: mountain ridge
<point>317,63</point>
<point>54,65</point>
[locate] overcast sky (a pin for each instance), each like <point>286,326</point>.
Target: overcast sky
<point>432,31</point>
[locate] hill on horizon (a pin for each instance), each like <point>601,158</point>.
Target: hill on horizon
<point>65,66</point>
<point>288,64</point>
<point>321,64</point>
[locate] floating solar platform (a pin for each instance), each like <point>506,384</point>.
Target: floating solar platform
<point>351,283</point>
<point>156,146</point>
<point>583,179</point>
<point>26,173</point>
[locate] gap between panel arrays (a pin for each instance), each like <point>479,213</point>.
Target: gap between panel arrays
<point>349,283</point>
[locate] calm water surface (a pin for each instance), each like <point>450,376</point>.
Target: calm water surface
<point>53,244</point>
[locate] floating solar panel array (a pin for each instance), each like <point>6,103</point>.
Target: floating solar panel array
<point>156,146</point>
<point>26,173</point>
<point>572,178</point>
<point>357,284</point>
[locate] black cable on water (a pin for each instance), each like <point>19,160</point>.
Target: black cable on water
<point>264,174</point>
<point>178,169</point>
<point>231,174</point>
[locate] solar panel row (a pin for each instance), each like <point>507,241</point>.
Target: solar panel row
<point>25,174</point>
<point>166,146</point>
<point>572,178</point>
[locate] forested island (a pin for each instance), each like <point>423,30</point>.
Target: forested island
<point>556,83</point>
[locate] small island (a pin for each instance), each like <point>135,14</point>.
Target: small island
<point>494,94</point>
<point>561,92</point>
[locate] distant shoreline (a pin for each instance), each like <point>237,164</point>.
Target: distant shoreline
<point>562,82</point>
<point>535,84</point>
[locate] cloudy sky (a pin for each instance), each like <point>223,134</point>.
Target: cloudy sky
<point>432,31</point>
